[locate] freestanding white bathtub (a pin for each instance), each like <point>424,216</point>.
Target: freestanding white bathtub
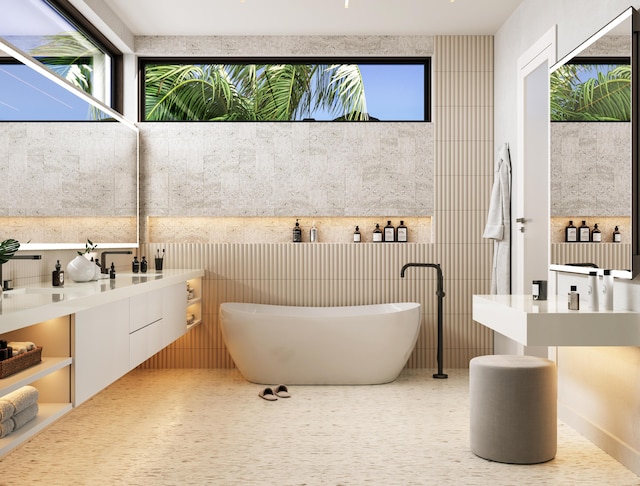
<point>357,345</point>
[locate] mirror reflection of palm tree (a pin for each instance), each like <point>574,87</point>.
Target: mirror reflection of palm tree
<point>604,97</point>
<point>253,92</point>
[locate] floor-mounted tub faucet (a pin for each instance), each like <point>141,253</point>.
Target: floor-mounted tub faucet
<point>440,294</point>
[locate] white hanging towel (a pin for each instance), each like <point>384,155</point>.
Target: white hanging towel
<point>498,226</point>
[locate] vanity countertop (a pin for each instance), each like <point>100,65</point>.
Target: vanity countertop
<point>25,306</point>
<point>551,323</point>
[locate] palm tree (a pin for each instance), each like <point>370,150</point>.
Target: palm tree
<point>606,97</point>
<point>253,92</point>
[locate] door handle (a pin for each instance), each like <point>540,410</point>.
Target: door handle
<point>520,220</point>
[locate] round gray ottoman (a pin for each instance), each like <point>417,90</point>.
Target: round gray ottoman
<point>513,403</point>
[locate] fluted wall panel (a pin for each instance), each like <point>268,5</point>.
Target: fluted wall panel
<point>604,255</point>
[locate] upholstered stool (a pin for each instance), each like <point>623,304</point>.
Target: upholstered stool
<point>513,402</point>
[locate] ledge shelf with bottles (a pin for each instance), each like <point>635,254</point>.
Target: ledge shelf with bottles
<point>194,302</point>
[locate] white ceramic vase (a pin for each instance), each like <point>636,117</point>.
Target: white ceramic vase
<point>81,269</point>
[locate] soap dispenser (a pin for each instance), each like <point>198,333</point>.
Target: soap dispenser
<point>112,271</point>
<point>584,233</point>
<point>144,265</point>
<point>389,233</point>
<point>377,234</point>
<point>58,276</point>
<point>357,237</point>
<point>596,234</point>
<point>401,233</point>
<point>617,237</point>
<point>297,232</point>
<point>135,265</point>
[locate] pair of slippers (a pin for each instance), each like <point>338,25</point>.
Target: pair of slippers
<point>272,394</point>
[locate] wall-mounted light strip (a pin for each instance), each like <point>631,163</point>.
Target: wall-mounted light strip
<point>346,3</point>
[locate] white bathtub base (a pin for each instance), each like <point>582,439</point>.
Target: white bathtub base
<point>357,345</point>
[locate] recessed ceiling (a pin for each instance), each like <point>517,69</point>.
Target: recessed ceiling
<point>313,17</point>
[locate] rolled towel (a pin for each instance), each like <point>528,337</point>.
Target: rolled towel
<point>6,427</point>
<point>22,398</point>
<point>18,350</point>
<point>6,410</point>
<point>27,415</point>
<point>23,346</point>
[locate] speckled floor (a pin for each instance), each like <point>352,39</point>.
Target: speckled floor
<point>209,427</point>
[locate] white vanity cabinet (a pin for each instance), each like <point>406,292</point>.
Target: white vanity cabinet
<point>92,333</point>
<point>145,326</point>
<point>100,347</point>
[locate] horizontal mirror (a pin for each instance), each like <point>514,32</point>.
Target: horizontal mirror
<point>71,172</point>
<point>592,151</point>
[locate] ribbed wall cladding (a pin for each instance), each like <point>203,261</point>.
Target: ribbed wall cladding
<point>328,274</point>
<point>605,255</point>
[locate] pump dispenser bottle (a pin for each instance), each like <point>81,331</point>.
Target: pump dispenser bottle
<point>135,265</point>
<point>58,276</point>
<point>617,237</point>
<point>584,233</point>
<point>313,233</point>
<point>401,233</point>
<point>377,234</point>
<point>297,232</point>
<point>144,265</point>
<point>596,234</point>
<point>574,298</point>
<point>570,233</point>
<point>389,233</point>
<point>357,237</point>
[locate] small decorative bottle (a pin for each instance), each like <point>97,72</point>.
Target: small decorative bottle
<point>112,271</point>
<point>592,292</point>
<point>297,232</point>
<point>357,236</point>
<point>313,233</point>
<point>596,234</point>
<point>144,265</point>
<point>607,291</point>
<point>135,265</point>
<point>377,234</point>
<point>401,233</point>
<point>584,233</point>
<point>574,298</point>
<point>570,233</point>
<point>617,237</point>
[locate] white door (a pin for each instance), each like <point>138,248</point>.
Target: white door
<point>531,243</point>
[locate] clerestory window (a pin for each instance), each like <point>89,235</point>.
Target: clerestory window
<point>285,89</point>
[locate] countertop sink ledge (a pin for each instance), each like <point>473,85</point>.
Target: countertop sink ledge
<point>31,304</point>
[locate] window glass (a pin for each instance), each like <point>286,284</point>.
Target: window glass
<point>591,90</point>
<point>38,29</point>
<point>331,90</point>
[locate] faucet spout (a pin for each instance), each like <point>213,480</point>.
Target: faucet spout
<point>103,258</point>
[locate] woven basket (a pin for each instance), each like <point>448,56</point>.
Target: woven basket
<point>18,363</point>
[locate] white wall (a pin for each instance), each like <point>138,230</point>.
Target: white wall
<point>597,386</point>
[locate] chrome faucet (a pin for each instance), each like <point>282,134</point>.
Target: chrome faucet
<point>103,258</point>
<point>440,293</point>
<point>5,283</point>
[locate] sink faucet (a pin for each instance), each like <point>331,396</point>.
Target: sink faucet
<point>440,294</point>
<point>5,284</point>
<point>103,258</point>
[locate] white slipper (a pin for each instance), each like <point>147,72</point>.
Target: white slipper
<point>267,394</point>
<point>282,391</point>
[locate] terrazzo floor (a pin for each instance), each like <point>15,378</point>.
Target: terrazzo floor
<point>209,427</point>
